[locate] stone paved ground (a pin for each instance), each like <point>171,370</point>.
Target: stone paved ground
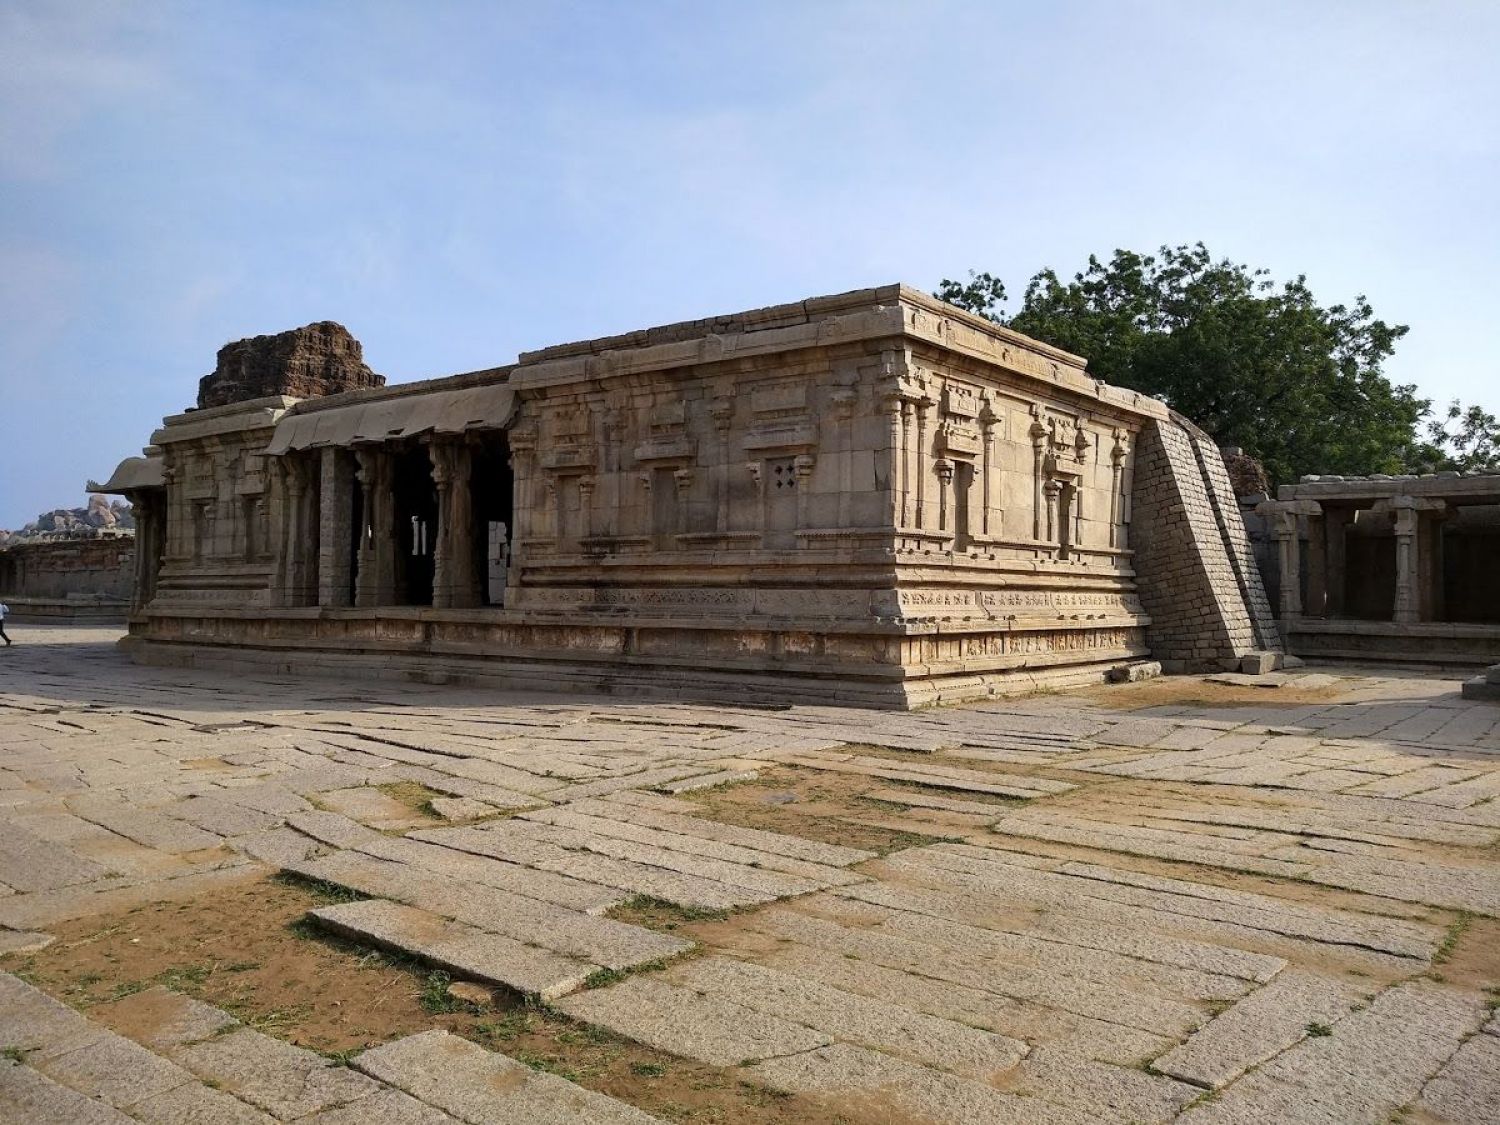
<point>1158,901</point>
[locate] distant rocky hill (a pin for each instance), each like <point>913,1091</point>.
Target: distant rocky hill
<point>100,515</point>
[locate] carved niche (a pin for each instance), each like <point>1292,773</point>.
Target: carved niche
<point>568,442</point>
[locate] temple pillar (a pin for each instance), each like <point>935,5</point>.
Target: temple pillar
<point>1415,553</point>
<point>1317,568</point>
<point>455,584</point>
<point>302,532</point>
<point>1408,597</point>
<point>383,528</point>
<point>1335,582</point>
<point>367,474</point>
<point>335,528</point>
<point>281,547</point>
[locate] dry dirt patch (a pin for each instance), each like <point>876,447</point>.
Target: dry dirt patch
<point>247,950</point>
<point>828,807</point>
<point>1192,691</point>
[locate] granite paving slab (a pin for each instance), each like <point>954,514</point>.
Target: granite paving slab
<point>1259,1027</point>
<point>857,1077</point>
<point>1376,1061</point>
<point>689,1023</point>
<point>853,1018</point>
<point>285,1081</point>
<point>485,1088</point>
<point>28,1097</point>
<point>520,846</point>
<point>463,950</point>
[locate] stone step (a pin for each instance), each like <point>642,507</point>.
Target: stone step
<point>461,949</point>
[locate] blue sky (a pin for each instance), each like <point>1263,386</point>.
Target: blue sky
<point>459,182</point>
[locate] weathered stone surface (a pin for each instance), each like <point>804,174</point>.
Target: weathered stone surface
<point>486,1088</point>
<point>389,1107</point>
<point>22,941</point>
<point>1375,1062</point>
<point>1467,1089</point>
<point>193,1104</point>
<point>602,941</point>
<point>852,1018</point>
<point>30,1097</point>
<point>114,1070</point>
<point>462,808</point>
<point>627,875</point>
<point>318,359</point>
<point>688,1023</point>
<point>1258,1027</point>
<point>846,1075</point>
<point>285,1081</point>
<point>1109,1092</point>
<point>461,949</point>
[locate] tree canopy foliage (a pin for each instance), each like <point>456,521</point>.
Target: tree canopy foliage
<point>1256,364</point>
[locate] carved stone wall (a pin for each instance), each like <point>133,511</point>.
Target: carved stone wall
<point>872,497</point>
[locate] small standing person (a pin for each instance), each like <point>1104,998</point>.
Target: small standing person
<point>4,612</point>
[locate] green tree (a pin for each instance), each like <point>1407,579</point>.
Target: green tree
<point>1466,438</point>
<point>983,295</point>
<point>1257,365</point>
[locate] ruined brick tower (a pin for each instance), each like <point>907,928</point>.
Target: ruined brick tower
<point>320,359</point>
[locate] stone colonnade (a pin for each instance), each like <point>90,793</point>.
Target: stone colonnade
<point>1415,522</point>
<point>338,543</point>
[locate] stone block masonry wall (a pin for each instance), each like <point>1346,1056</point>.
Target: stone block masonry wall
<point>1232,532</point>
<point>1192,556</point>
<point>73,576</point>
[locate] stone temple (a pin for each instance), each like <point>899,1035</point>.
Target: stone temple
<point>872,498</point>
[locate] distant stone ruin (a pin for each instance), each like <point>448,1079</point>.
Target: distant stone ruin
<point>318,359</point>
<point>70,563</point>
